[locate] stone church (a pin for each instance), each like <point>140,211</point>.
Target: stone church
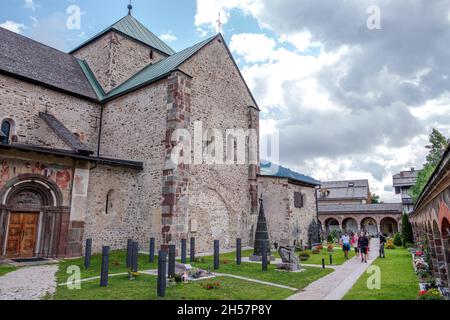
<point>86,137</point>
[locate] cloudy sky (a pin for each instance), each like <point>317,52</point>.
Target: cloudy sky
<point>349,102</point>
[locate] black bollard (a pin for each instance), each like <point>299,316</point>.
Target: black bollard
<point>216,254</point>
<point>135,257</point>
<point>238,251</point>
<point>192,250</point>
<point>264,256</point>
<point>87,253</point>
<point>161,283</point>
<point>323,263</point>
<point>183,251</point>
<point>151,258</point>
<point>171,269</point>
<point>331,259</point>
<point>129,252</point>
<point>105,267</point>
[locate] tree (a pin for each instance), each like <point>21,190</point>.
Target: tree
<point>407,233</point>
<point>422,178</point>
<point>375,198</point>
<point>437,146</point>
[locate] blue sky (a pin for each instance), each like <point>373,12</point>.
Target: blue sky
<point>44,20</point>
<point>348,101</point>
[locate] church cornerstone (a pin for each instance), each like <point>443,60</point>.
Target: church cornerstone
<point>175,175</point>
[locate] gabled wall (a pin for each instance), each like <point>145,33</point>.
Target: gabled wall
<point>114,58</point>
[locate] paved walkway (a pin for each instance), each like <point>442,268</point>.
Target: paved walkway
<point>335,285</point>
<point>32,283</point>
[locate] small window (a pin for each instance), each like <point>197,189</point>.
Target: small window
<point>299,200</point>
<point>152,56</point>
<point>351,184</point>
<point>5,132</point>
<point>109,202</point>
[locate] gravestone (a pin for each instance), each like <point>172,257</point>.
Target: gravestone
<point>192,250</point>
<point>289,260</point>
<point>314,233</point>
<point>129,252</point>
<point>238,251</point>
<point>104,267</point>
<point>87,253</point>
<point>151,257</point>
<point>161,282</point>
<point>261,235</point>
<point>171,268</point>
<point>216,254</point>
<point>183,250</point>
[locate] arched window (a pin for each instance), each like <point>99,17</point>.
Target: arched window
<point>109,202</point>
<point>5,132</point>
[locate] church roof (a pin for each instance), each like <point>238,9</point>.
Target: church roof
<point>33,61</point>
<point>158,70</point>
<point>131,27</point>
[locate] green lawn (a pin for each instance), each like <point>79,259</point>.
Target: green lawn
<point>338,256</point>
<point>398,279</point>
<point>5,268</point>
<point>145,286</point>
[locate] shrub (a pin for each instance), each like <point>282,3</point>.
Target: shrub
<point>303,256</point>
<point>211,285</point>
<point>315,251</point>
<point>319,247</point>
<point>330,248</point>
<point>177,277</point>
<point>398,239</point>
<point>432,294</point>
<point>407,233</point>
<point>390,244</point>
<point>330,238</point>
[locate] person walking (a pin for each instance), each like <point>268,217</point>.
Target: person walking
<point>345,239</point>
<point>382,243</point>
<point>364,247</point>
<point>354,243</point>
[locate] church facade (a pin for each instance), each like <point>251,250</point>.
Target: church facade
<point>88,139</point>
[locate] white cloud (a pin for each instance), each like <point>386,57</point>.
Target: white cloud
<point>208,11</point>
<point>253,47</point>
<point>29,4</point>
<point>13,26</point>
<point>168,37</point>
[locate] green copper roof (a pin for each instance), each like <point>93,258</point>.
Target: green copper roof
<point>158,70</point>
<point>131,27</point>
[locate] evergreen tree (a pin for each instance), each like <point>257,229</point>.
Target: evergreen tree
<point>437,146</point>
<point>407,233</point>
<point>375,198</point>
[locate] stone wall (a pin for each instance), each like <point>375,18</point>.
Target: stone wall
<point>286,223</point>
<point>134,128</point>
<point>114,58</point>
<point>22,102</point>
<point>220,203</point>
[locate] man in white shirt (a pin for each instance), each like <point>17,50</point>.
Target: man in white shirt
<point>345,239</point>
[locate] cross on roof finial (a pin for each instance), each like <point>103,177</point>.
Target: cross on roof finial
<point>219,24</point>
<point>130,7</point>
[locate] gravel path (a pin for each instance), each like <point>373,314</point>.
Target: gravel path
<point>31,283</point>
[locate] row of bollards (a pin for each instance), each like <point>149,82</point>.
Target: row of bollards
<point>166,260</point>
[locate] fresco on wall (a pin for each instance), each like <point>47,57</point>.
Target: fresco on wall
<point>11,168</point>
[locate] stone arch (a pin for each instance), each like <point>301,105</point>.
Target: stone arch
<point>332,224</point>
<point>369,225</point>
<point>350,224</point>
<point>444,213</point>
<point>37,202</point>
<point>445,234</point>
<point>389,226</point>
